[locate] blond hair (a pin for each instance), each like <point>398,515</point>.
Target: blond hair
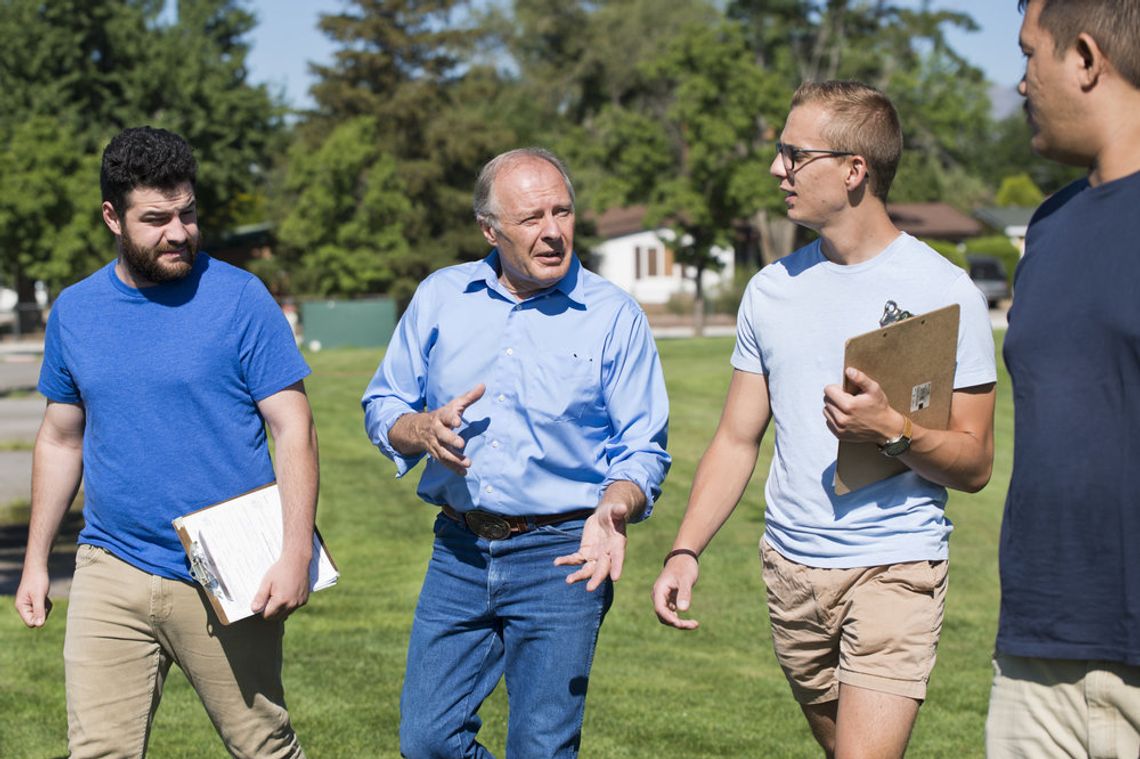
<point>863,121</point>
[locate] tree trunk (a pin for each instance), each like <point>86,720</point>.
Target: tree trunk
<point>699,305</point>
<point>777,236</point>
<point>29,317</point>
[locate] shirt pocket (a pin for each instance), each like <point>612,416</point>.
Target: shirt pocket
<point>561,385</point>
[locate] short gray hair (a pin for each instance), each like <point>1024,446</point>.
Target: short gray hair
<point>484,204</point>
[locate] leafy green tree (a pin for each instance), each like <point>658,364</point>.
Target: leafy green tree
<point>236,128</point>
<point>1009,153</point>
<point>687,146</point>
<point>407,67</point>
<point>345,231</point>
<point>75,72</point>
<point>1018,190</point>
<point>942,100</point>
<point>49,209</point>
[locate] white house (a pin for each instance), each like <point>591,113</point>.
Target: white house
<point>640,261</point>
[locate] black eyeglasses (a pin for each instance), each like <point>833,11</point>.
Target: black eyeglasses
<point>791,155</point>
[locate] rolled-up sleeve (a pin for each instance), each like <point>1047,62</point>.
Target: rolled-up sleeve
<point>398,387</point>
<point>638,408</point>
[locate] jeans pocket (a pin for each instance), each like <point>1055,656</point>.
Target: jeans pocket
<point>570,530</point>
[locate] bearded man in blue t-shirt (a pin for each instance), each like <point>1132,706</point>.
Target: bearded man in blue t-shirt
<point>1067,662</point>
<point>161,371</point>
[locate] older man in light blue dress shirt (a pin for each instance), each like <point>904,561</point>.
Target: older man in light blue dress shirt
<point>535,389</point>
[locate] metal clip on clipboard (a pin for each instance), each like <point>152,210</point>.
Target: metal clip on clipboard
<point>205,571</point>
<point>892,313</point>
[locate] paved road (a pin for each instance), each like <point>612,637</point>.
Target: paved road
<point>21,408</point>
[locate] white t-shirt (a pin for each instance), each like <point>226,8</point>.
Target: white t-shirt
<point>794,319</point>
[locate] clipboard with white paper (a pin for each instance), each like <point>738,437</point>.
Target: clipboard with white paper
<point>913,360</point>
<point>233,543</point>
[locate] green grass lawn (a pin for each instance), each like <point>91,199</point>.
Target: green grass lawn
<point>655,692</point>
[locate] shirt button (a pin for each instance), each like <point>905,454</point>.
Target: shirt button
<point>490,489</point>
<point>494,443</point>
<point>502,398</point>
<point>510,351</point>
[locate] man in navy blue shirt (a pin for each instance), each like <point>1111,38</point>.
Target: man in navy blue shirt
<point>1067,662</point>
<point>534,388</point>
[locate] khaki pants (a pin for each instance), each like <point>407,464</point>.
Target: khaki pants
<point>125,627</point>
<point>1046,708</point>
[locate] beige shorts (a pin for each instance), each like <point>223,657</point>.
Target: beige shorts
<point>869,627</point>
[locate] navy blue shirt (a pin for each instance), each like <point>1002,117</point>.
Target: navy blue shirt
<point>1070,538</point>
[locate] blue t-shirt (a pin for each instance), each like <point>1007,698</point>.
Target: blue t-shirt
<point>1070,537</point>
<point>169,377</point>
<point>795,318</point>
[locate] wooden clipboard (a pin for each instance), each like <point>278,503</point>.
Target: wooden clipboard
<point>913,360</point>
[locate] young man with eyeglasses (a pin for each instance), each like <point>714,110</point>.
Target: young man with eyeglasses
<point>1067,656</point>
<point>856,582</point>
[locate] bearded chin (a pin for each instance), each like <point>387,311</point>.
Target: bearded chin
<point>146,265</point>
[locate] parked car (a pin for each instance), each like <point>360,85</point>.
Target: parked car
<point>988,274</point>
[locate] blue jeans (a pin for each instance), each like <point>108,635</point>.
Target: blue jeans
<point>500,608</point>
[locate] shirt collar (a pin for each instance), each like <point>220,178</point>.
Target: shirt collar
<point>486,273</point>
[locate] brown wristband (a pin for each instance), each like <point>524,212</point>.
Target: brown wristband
<point>681,552</point>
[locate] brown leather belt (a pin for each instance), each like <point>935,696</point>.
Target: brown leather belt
<point>500,527</point>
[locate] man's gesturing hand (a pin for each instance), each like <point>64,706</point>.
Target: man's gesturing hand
<point>434,431</point>
<point>602,550</point>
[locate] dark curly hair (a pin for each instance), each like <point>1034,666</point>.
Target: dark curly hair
<point>144,157</point>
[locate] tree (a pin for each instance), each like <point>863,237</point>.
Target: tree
<point>942,100</point>
<point>1018,190</point>
<point>49,209</point>
<point>75,72</point>
<point>435,117</point>
<point>235,128</point>
<point>686,145</point>
<point>346,227</point>
<point>1009,153</point>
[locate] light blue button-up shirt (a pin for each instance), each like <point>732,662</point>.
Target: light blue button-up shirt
<point>575,396</point>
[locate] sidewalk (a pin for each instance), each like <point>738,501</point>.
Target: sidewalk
<point>21,409</point>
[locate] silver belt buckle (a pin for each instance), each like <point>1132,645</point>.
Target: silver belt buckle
<point>487,525</point>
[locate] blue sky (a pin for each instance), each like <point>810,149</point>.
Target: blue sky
<point>287,39</point>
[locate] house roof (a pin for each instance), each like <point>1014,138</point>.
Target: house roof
<point>1004,218</point>
<point>619,222</point>
<point>940,221</point>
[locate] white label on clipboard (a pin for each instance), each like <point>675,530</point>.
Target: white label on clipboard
<point>920,396</point>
